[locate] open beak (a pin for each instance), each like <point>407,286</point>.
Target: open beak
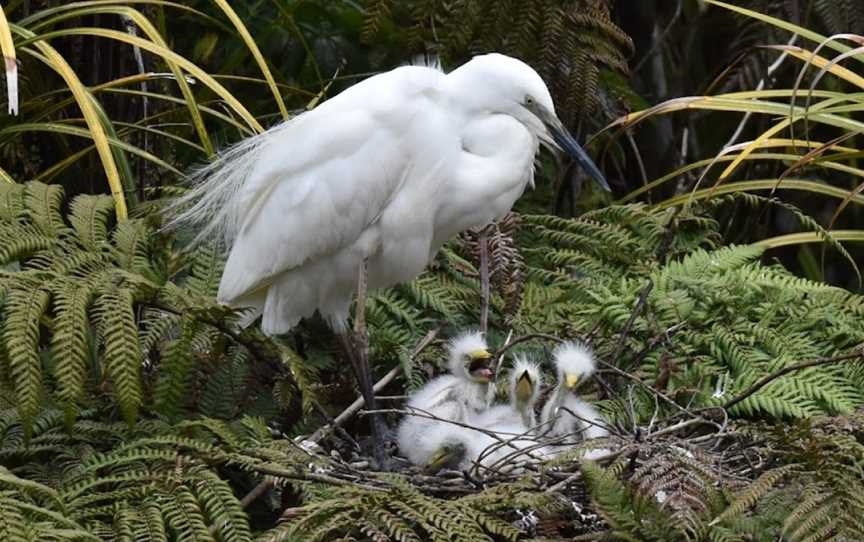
<point>568,144</point>
<point>524,387</point>
<point>479,365</point>
<point>571,381</point>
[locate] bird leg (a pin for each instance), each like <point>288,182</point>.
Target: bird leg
<point>356,345</point>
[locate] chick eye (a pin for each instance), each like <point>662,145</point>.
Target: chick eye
<point>529,100</point>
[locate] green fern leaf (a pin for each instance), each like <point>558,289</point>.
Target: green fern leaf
<point>24,309</point>
<point>123,359</point>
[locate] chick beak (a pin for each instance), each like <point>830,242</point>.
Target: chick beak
<point>524,387</point>
<point>568,144</point>
<point>478,365</point>
<point>571,381</point>
<point>445,457</point>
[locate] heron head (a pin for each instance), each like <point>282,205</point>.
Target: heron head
<point>574,363</point>
<point>470,358</point>
<point>526,380</point>
<point>504,84</point>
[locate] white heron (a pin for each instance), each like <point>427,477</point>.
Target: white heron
<point>458,396</point>
<point>565,414</point>
<point>377,178</point>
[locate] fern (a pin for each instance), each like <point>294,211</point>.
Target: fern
<point>71,342</point>
<point>21,335</point>
<point>83,309</point>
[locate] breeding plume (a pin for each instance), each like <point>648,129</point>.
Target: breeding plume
<point>458,396</point>
<point>385,172</point>
<point>565,414</point>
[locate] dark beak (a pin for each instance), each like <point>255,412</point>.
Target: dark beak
<point>562,137</point>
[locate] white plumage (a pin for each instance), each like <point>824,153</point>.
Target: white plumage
<point>565,414</point>
<point>458,396</point>
<point>387,171</point>
<point>513,422</point>
<point>523,390</point>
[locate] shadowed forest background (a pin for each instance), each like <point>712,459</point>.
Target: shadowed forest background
<point>719,283</point>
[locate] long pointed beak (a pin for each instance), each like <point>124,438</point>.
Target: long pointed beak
<point>571,381</point>
<point>562,137</point>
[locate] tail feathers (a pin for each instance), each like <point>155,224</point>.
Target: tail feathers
<point>252,305</point>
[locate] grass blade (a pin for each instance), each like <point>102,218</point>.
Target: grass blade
<point>810,237</point>
<point>55,61</point>
<point>7,47</point>
<point>253,48</point>
<point>5,177</point>
<point>762,184</point>
<point>154,36</point>
<point>167,55</point>
<point>67,129</point>
<point>785,25</point>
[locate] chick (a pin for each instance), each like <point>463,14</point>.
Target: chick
<point>564,413</point>
<point>458,396</point>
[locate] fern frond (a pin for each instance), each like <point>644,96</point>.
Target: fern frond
<point>89,215</point>
<point>21,333</point>
<point>119,336</point>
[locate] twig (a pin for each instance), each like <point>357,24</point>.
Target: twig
<point>764,381</point>
<point>679,426</point>
<point>310,477</point>
<point>662,250</point>
<point>659,394</point>
<point>358,403</point>
<point>253,344</point>
<point>346,414</point>
<point>524,338</point>
<point>640,302</point>
<point>483,247</point>
<point>256,492</point>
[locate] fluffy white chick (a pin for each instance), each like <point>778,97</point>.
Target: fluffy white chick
<point>523,390</point>
<point>458,396</point>
<point>512,422</point>
<point>565,413</point>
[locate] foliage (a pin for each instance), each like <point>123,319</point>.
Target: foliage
<point>107,482</point>
<point>88,305</point>
<point>568,42</point>
<point>797,137</point>
<point>730,320</point>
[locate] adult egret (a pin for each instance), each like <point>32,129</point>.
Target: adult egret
<point>564,413</point>
<point>458,397</point>
<point>377,178</point>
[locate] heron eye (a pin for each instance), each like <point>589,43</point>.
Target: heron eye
<point>529,100</point>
